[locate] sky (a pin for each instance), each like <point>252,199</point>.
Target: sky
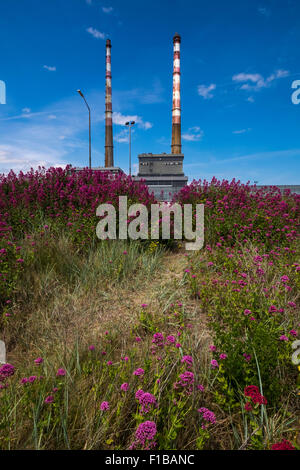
<point>239,60</point>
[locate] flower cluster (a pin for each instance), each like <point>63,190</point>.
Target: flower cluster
<point>145,435</point>
<point>186,381</point>
<point>207,416</point>
<point>283,445</point>
<point>6,370</point>
<point>252,391</point>
<point>146,400</point>
<point>188,361</point>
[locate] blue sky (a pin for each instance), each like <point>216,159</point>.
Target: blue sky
<point>238,62</point>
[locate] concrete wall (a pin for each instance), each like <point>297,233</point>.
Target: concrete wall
<point>161,164</point>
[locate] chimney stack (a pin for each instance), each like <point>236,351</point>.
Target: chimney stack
<point>176,111</point>
<point>109,150</point>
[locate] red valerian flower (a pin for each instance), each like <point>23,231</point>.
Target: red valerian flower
<point>252,392</point>
<point>283,445</point>
<point>248,406</point>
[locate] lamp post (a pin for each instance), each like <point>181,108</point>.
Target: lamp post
<point>130,124</point>
<point>90,147</point>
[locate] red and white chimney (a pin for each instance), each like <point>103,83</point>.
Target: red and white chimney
<point>176,109</point>
<point>109,150</point>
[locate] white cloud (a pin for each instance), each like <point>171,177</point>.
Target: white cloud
<point>147,125</point>
<point>22,159</point>
<point>26,110</point>
<point>50,68</point>
<point>241,131</point>
<point>122,137</point>
<point>121,119</point>
<point>95,33</point>
<point>250,99</point>
<point>38,140</point>
<point>204,91</point>
<point>25,115</point>
<point>264,11</point>
<point>194,134</point>
<point>107,9</point>
<point>255,81</point>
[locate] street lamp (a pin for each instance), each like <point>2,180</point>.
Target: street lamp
<point>130,124</point>
<point>90,148</point>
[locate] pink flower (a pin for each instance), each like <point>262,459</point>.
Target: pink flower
<point>207,415</point>
<point>61,372</point>
<point>200,387</point>
<point>139,372</point>
<point>272,309</point>
<point>104,406</point>
<point>293,333</point>
<point>6,370</point>
<point>247,311</point>
<point>32,378</point>
<point>92,347</point>
<point>284,279</point>
<point>212,348</point>
<point>138,339</point>
<point>283,338</point>
<point>145,434</point>
<point>292,304</point>
<point>146,400</point>
<point>124,387</point>
<point>49,399</point>
<point>158,339</point>
<point>247,357</point>
<point>171,339</point>
<point>223,356</point>
<point>109,363</point>
<point>188,360</point>
<point>214,364</point>
<point>39,361</point>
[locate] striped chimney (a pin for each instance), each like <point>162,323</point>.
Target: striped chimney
<point>109,150</point>
<point>176,111</point>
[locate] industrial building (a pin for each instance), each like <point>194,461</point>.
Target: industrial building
<point>163,173</point>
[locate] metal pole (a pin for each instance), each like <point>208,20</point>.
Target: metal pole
<point>90,133</point>
<point>129,150</point>
<point>90,141</point>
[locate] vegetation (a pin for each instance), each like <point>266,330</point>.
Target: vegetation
<point>132,345</point>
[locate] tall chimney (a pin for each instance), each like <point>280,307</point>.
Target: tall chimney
<point>109,150</point>
<point>176,111</point>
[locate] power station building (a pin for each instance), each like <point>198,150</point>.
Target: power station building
<point>163,173</point>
